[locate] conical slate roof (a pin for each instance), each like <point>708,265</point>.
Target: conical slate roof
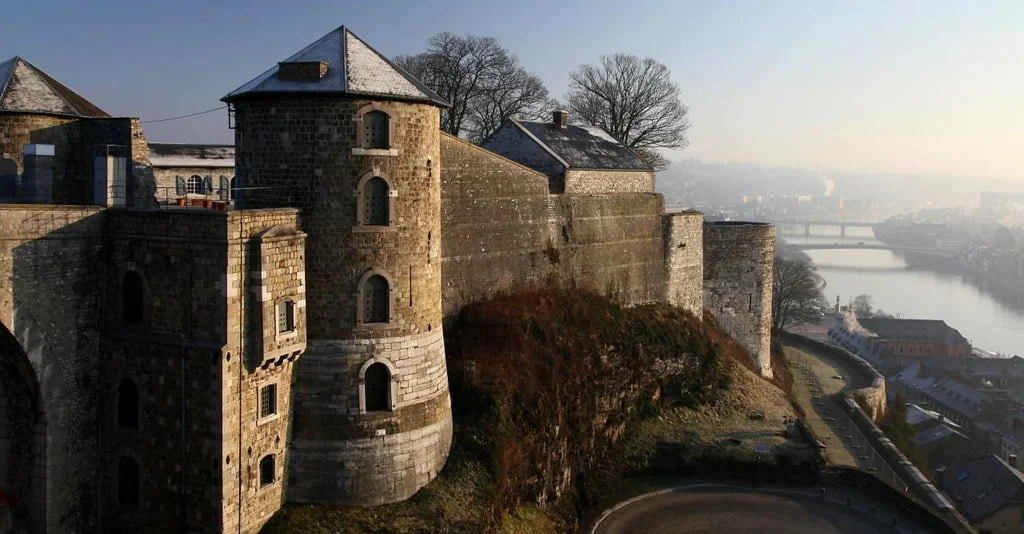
<point>353,67</point>
<point>26,89</point>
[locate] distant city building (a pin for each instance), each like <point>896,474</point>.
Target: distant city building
<point>883,340</point>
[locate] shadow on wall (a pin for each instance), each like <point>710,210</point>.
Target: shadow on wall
<point>8,180</point>
<point>52,257</point>
<point>20,423</point>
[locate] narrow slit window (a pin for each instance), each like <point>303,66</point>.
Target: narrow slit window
<point>267,470</point>
<point>268,400</point>
<point>375,202</point>
<point>375,300</point>
<point>375,129</point>
<point>377,384</point>
<point>285,317</point>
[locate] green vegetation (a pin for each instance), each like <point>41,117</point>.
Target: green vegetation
<point>559,397</point>
<point>896,428</point>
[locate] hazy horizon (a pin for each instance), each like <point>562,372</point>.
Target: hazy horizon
<point>904,88</point>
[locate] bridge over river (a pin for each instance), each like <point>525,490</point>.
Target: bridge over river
<point>808,223</point>
<point>872,246</point>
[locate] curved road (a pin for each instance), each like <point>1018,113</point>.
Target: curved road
<point>728,511</point>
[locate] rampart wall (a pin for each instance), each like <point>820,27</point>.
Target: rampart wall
<point>503,232</point>
<point>683,234</point>
<point>597,181</point>
<point>738,267</point>
<point>51,279</point>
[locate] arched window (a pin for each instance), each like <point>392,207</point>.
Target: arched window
<point>267,474</point>
<point>128,482</point>
<point>375,202</point>
<point>194,185</point>
<point>231,194</point>
<point>132,301</point>
<point>377,384</point>
<point>127,404</point>
<point>375,300</point>
<point>375,130</point>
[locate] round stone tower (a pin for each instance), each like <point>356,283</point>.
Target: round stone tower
<point>353,141</point>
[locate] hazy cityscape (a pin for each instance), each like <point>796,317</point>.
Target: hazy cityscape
<point>516,268</point>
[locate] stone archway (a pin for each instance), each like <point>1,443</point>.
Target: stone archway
<point>19,418</point>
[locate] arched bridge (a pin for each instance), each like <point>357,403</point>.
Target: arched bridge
<point>871,246</point>
<point>807,224</point>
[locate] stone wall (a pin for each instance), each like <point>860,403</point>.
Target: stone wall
<point>683,234</point>
<point>207,345</point>
<point>592,181</point>
<point>301,151</point>
<point>77,143</point>
<point>738,264</point>
<point>503,232</point>
<point>52,277</point>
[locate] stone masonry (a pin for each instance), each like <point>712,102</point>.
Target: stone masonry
<point>151,381</point>
<point>301,151</point>
<point>684,260</point>
<point>738,263</point>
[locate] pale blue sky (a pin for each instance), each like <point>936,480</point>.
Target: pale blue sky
<point>905,86</point>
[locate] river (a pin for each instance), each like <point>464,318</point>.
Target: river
<point>915,288</point>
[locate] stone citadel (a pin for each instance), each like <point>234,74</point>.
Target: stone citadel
<point>187,342</point>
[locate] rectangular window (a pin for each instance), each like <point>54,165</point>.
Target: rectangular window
<point>267,475</point>
<point>285,317</point>
<point>268,400</point>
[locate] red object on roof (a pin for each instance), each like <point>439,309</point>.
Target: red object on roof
<point>5,499</point>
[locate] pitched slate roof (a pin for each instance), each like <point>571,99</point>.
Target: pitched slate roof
<point>190,155</point>
<point>983,486</point>
<point>582,147</point>
<point>913,329</point>
<point>26,89</point>
<point>353,67</point>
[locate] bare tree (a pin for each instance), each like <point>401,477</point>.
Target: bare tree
<point>483,81</point>
<point>797,293</point>
<point>635,100</point>
<point>863,306</point>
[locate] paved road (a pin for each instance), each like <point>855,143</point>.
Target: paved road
<point>820,395</point>
<point>728,511</point>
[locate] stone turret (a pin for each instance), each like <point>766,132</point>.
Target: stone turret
<point>738,263</point>
<point>341,133</point>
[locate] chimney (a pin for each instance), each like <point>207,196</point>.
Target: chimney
<point>940,475</point>
<point>561,118</point>
<point>301,71</point>
<point>1012,460</point>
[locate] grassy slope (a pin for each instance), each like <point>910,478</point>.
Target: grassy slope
<point>463,497</point>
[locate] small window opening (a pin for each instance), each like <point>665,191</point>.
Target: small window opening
<point>375,202</point>
<point>285,317</point>
<point>267,474</point>
<point>127,404</point>
<point>132,298</point>
<point>378,387</point>
<point>194,185</point>
<point>128,482</point>
<point>268,400</point>
<point>375,300</point>
<point>375,129</point>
